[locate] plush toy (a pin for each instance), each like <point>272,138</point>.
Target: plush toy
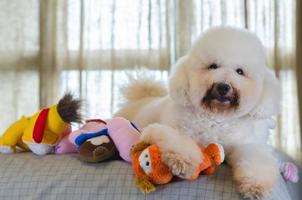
<point>150,170</point>
<point>68,144</point>
<point>98,149</point>
<point>65,146</point>
<point>40,132</point>
<point>93,142</point>
<point>100,140</point>
<point>124,135</point>
<point>289,172</point>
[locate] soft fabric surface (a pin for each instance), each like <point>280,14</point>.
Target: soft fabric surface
<point>26,176</point>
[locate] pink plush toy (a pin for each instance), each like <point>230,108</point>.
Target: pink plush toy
<point>91,126</point>
<point>289,171</point>
<point>98,140</point>
<point>124,135</point>
<point>67,144</point>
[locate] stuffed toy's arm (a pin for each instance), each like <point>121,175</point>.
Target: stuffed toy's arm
<point>144,185</point>
<point>12,136</point>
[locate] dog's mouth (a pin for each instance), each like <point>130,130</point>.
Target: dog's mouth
<point>220,97</point>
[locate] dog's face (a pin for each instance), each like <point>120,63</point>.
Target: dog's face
<point>224,74</point>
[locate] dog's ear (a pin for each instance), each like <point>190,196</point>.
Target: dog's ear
<point>269,102</point>
<point>179,83</point>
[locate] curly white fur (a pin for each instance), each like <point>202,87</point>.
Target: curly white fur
<point>242,131</point>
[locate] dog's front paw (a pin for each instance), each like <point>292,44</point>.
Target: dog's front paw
<point>178,165</point>
<point>250,188</point>
<point>255,186</point>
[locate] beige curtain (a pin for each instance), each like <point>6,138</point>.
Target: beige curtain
<point>19,58</point>
<point>89,46</point>
<point>299,63</point>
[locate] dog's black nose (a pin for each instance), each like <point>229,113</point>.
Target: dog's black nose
<point>223,88</point>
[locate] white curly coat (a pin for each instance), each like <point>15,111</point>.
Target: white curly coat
<point>175,118</point>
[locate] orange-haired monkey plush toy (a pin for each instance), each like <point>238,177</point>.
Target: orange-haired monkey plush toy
<point>150,170</point>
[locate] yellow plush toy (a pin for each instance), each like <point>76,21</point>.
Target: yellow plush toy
<point>40,132</point>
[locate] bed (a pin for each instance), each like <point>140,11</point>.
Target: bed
<point>26,176</point>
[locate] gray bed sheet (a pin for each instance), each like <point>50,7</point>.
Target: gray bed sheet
<point>26,176</point>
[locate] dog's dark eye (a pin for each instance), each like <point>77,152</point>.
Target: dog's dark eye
<point>239,71</point>
<point>213,66</point>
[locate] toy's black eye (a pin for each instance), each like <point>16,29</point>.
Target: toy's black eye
<point>239,71</point>
<point>146,156</point>
<point>213,66</point>
<point>147,163</point>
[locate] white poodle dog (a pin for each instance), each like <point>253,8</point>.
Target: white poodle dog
<point>221,91</point>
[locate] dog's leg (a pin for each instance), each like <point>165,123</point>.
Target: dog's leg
<point>179,152</point>
<point>255,170</point>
